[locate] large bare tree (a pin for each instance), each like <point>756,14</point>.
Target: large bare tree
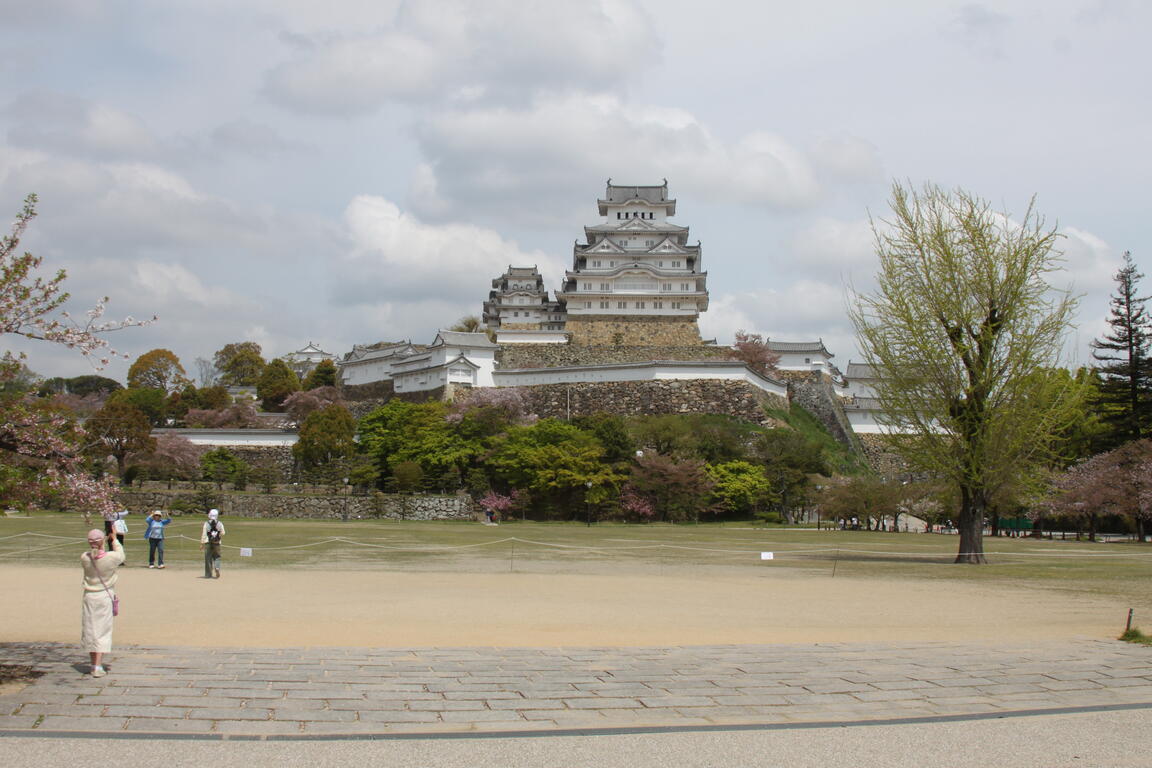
<point>963,330</point>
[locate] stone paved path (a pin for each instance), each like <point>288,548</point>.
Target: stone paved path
<point>355,692</point>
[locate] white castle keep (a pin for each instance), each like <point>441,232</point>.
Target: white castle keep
<point>636,283</point>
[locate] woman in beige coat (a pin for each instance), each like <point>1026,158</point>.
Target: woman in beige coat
<point>99,592</point>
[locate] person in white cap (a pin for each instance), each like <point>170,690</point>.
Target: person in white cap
<point>210,543</point>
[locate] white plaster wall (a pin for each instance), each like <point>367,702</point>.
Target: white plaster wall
<point>636,373</point>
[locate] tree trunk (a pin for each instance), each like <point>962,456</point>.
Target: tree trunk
<point>971,527</point>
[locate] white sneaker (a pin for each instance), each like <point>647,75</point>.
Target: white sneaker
<point>152,566</point>
<point>98,672</point>
<point>160,566</point>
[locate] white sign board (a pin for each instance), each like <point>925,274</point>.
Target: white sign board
<point>765,555</point>
<point>245,552</point>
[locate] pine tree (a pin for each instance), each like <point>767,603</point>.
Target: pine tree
<point>1125,375</point>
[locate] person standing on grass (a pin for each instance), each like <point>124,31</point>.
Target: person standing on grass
<point>97,610</point>
<point>154,533</point>
<point>114,525</point>
<point>210,538</point>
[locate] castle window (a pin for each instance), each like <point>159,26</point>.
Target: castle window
<point>611,263</point>
<point>587,286</point>
<point>665,286</point>
<point>649,243</point>
<point>515,314</point>
<point>587,305</point>
<point>595,263</point>
<point>683,286</point>
<point>603,305</point>
<point>621,305</point>
<point>639,305</point>
<point>617,214</point>
<point>657,305</point>
<point>675,263</point>
<point>605,286</point>
<point>675,305</point>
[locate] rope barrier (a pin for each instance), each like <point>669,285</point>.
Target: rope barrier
<point>577,548</point>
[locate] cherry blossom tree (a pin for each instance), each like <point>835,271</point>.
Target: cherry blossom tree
<point>1116,482</point>
<point>299,405</point>
<point>41,448</point>
<point>752,349</point>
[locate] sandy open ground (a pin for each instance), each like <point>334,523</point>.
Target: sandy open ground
<point>269,608</point>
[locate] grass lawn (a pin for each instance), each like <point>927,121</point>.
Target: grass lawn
<point>1121,570</point>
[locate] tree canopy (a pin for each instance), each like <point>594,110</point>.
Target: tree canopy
<point>276,383</point>
<point>239,364</point>
<point>40,446</point>
<point>962,319</point>
<point>323,375</point>
<point>1125,389</point>
<point>158,369</point>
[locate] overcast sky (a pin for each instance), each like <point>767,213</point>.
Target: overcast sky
<point>286,171</point>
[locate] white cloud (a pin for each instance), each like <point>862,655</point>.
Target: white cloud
<point>483,159</point>
<point>847,246</point>
<point>396,258</point>
<point>804,310</point>
<point>434,50</point>
<point>980,28</point>
<point>72,126</point>
<point>848,157</point>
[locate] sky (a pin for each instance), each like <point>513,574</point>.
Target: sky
<point>346,172</point>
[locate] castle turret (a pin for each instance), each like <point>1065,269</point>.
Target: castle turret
<point>636,281</point>
<point>518,301</point>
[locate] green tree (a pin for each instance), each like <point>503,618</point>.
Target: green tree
<point>407,476</point>
<point>79,385</point>
<point>400,431</point>
<point>153,403</point>
<point>790,462</point>
<point>119,429</point>
<point>326,435</point>
<point>240,364</point>
<point>556,461</point>
<point>213,398</point>
<point>323,375</point>
<point>668,435</point>
<point>612,432</point>
<point>1125,389</point>
<point>221,465</point>
<point>158,369</point>
<point>276,383</point>
<point>962,317</point>
<point>740,486</point>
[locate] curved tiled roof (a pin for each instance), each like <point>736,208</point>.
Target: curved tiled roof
<point>619,194</point>
<point>859,371</point>
<point>799,346</point>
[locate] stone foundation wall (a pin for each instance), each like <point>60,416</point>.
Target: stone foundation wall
<point>279,457</point>
<point>813,391</point>
<point>624,330</point>
<point>300,506</point>
<point>377,390</point>
<point>637,398</point>
<point>365,405</point>
<point>514,356</point>
<point>882,459</point>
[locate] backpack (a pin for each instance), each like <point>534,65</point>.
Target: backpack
<point>213,532</point>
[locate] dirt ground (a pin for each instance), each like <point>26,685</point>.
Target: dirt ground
<point>268,608</point>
